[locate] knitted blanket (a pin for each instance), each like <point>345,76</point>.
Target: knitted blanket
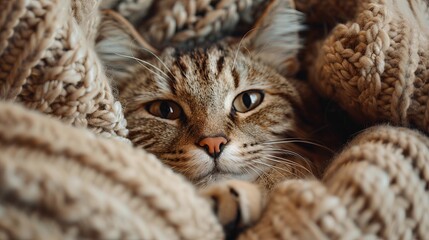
<point>67,170</point>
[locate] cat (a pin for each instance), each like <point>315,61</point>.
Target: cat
<point>220,112</point>
<point>216,114</point>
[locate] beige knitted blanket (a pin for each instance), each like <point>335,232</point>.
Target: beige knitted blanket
<point>65,175</point>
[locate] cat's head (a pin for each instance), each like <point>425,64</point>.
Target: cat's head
<point>210,114</point>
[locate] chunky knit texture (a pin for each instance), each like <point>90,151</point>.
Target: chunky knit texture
<point>58,181</point>
<point>376,66</point>
<point>376,188</point>
<point>194,21</point>
<point>47,63</point>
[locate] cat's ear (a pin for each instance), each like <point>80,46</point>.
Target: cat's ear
<point>119,46</point>
<point>275,36</point>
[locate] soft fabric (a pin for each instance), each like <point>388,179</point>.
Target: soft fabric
<point>58,181</point>
<point>47,63</point>
<point>376,66</point>
<point>376,188</point>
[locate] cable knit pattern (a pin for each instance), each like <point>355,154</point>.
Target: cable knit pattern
<point>377,65</point>
<point>133,10</point>
<point>189,21</point>
<point>47,63</point>
<point>61,182</point>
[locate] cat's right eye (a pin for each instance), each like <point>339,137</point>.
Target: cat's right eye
<point>164,109</point>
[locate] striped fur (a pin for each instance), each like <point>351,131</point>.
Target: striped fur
<point>204,82</point>
<point>263,143</point>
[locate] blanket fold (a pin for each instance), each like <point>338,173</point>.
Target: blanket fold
<point>375,188</point>
<point>60,182</point>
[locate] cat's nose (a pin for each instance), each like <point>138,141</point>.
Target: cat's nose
<point>213,145</point>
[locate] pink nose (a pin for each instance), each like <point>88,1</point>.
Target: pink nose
<point>213,145</point>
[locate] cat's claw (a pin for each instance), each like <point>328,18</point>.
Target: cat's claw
<point>237,204</point>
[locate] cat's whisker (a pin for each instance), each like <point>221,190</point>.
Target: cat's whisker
<point>155,67</point>
<point>259,172</point>
<point>142,63</point>
<point>159,59</point>
<point>271,166</point>
<point>281,160</point>
<point>290,171</point>
<point>297,140</point>
<point>260,49</point>
<point>301,140</point>
<point>153,72</point>
<point>285,151</point>
<point>239,46</point>
<point>165,65</point>
<point>248,51</point>
<point>290,162</point>
<point>253,169</point>
<point>246,170</point>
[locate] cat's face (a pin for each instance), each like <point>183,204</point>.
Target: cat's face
<point>210,114</point>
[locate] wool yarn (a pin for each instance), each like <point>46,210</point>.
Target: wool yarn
<point>59,182</point>
<point>132,10</point>
<point>62,177</point>
<point>376,188</point>
<point>376,66</point>
<point>47,63</point>
<point>197,21</point>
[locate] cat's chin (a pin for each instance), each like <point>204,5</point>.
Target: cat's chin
<point>217,177</point>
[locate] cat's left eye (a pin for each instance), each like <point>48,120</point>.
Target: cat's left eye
<point>164,109</point>
<point>248,100</point>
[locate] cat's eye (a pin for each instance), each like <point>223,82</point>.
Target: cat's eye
<point>248,100</point>
<point>164,109</point>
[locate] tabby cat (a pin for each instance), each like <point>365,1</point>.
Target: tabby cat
<point>222,112</point>
<point>219,112</point>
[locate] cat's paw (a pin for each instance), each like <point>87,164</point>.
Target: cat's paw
<point>236,203</point>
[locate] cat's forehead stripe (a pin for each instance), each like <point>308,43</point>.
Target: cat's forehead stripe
<point>220,64</point>
<point>236,77</point>
<point>172,81</point>
<point>180,62</point>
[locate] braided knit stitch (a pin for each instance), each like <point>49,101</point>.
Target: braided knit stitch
<point>186,22</point>
<point>47,64</point>
<point>133,10</point>
<point>377,65</point>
